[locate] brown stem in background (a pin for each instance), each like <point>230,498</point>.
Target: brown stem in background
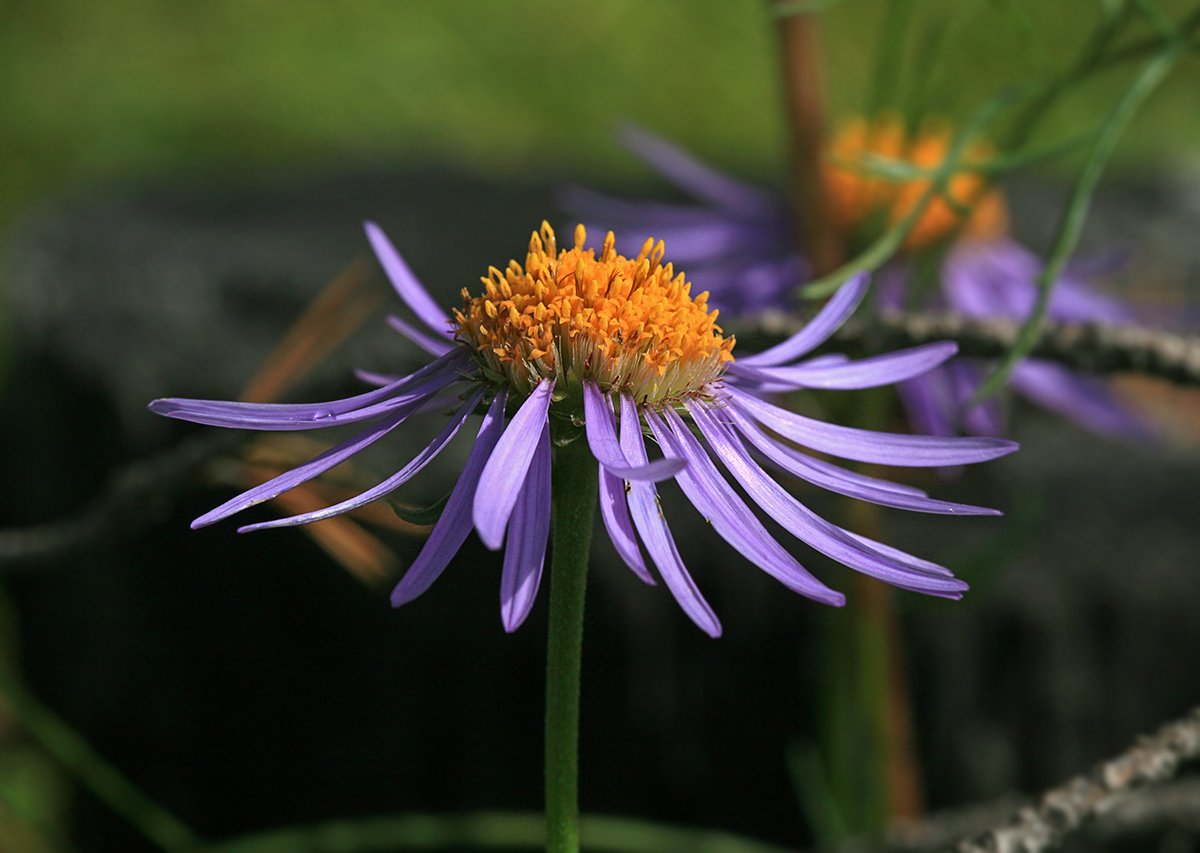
<point>821,243</point>
<point>337,311</point>
<point>873,602</point>
<point>799,51</point>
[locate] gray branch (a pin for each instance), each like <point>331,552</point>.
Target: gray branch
<point>132,499</point>
<point>1103,792</point>
<point>1084,346</point>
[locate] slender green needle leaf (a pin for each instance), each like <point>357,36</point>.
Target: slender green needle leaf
<point>1071,224</point>
<point>888,53</point>
<point>900,171</point>
<point>928,48</point>
<point>1039,53</point>
<point>1154,16</point>
<point>1090,59</point>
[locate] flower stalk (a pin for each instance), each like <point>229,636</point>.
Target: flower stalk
<point>573,495</point>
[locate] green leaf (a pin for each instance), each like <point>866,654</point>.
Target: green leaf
<point>1071,224</point>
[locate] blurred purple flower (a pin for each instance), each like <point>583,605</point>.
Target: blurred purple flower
<point>737,246</point>
<point>979,278</point>
<point>996,278</point>
<point>574,377</point>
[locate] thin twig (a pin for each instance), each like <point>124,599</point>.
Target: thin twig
<point>1090,347</point>
<point>1063,810</point>
<point>1172,805</point>
<point>124,505</point>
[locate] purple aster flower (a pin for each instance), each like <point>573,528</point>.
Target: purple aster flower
<point>612,351</point>
<point>988,276</point>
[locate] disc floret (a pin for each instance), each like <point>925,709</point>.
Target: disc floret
<point>977,210</point>
<point>627,324</point>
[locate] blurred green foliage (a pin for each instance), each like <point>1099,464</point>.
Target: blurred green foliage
<point>123,88</point>
<point>131,87</point>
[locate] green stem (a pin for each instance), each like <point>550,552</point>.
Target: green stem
<point>486,830</point>
<point>573,487</point>
<point>1071,225</point>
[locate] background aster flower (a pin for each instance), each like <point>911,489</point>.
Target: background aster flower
<point>996,278</point>
<point>737,246</point>
<point>985,274</point>
<point>607,350</point>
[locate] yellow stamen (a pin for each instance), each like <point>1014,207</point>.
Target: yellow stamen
<point>854,196</point>
<point>624,324</point>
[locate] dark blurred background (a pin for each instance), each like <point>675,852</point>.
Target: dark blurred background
<point>178,182</point>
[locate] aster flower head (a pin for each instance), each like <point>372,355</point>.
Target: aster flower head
<point>571,347</point>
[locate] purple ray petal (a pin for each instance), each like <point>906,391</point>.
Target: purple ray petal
<point>433,346</point>
<point>867,446</point>
<point>696,238</point>
<point>827,360</point>
<point>688,173</point>
<point>997,278</point>
<point>375,493</point>
<point>730,517</point>
<point>864,373</point>
<point>455,521</point>
<point>407,285</point>
<point>615,512</point>
<point>839,480</point>
<point>979,280</point>
<point>528,530</point>
<point>802,522</point>
<point>652,527</point>
<point>901,556</point>
<point>302,474</point>
<point>987,418</point>
<point>1084,399</point>
<point>602,441</point>
<point>930,403</point>
<point>296,416</point>
<point>1075,301</point>
<point>505,471</point>
<point>377,379</point>
<point>831,316</point>
<point>613,507</point>
<point>648,216</point>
